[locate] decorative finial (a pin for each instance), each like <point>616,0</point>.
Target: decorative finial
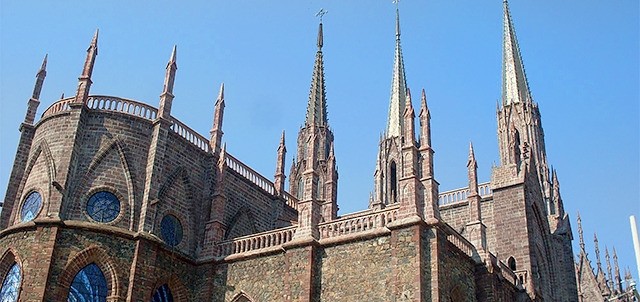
<point>580,232</point>
<point>62,95</point>
<point>321,14</point>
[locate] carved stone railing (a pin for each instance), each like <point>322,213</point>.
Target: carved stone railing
<point>458,240</point>
<point>130,107</point>
<point>59,106</point>
<point>250,174</point>
<point>507,274</point>
<point>254,242</point>
<point>290,200</point>
<point>357,224</point>
<point>453,196</point>
<point>190,135</point>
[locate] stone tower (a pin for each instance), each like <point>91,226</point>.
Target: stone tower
<point>315,157</point>
<point>527,204</point>
<point>389,166</point>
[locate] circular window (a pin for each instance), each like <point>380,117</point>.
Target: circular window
<point>31,206</point>
<point>103,206</point>
<point>171,230</point>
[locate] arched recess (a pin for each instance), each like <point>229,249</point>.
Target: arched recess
<point>178,290</point>
<point>90,255</point>
<point>180,173</point>
<point>115,145</point>
<point>241,224</point>
<point>241,297</point>
<point>42,149</point>
<point>6,261</point>
<point>393,182</point>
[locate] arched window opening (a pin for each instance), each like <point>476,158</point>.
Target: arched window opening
<point>11,284</point>
<point>512,264</point>
<point>162,294</point>
<point>516,147</point>
<point>300,188</point>
<point>394,183</point>
<point>89,284</point>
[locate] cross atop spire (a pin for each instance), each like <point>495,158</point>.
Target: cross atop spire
<point>317,106</point>
<point>515,88</point>
<point>398,87</point>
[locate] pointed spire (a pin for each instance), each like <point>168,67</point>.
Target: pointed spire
<point>580,233</point>
<point>34,101</point>
<point>472,171</point>
<point>617,281</point>
<point>398,88</point>
<point>515,88</point>
<point>215,135</point>
<point>609,274</point>
<point>409,122</point>
<point>84,80</point>
<point>166,98</point>
<point>279,177</point>
<point>317,106</point>
<point>425,122</point>
<point>597,247</point>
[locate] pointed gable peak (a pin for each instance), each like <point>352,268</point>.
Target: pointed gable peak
<point>515,88</point>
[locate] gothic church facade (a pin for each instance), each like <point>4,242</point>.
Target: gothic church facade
<point>119,201</point>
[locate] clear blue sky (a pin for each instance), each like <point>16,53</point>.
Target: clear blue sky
<point>581,59</point>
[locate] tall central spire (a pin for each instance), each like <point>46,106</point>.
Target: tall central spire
<point>317,107</point>
<point>515,88</point>
<point>398,88</point>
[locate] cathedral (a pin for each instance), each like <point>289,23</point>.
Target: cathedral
<point>112,199</point>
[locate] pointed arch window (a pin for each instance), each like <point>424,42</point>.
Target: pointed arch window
<point>300,189</point>
<point>162,294</point>
<point>394,182</point>
<point>11,284</point>
<point>89,284</point>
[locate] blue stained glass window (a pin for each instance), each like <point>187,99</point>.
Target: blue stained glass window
<point>11,284</point>
<point>31,206</point>
<point>171,230</point>
<point>162,294</point>
<point>89,285</point>
<point>103,206</point>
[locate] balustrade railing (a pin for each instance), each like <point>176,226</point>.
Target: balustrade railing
<point>458,240</point>
<point>190,135</point>
<point>59,106</point>
<point>254,242</point>
<point>130,107</point>
<point>290,200</point>
<point>250,174</point>
<point>357,224</point>
<point>453,196</point>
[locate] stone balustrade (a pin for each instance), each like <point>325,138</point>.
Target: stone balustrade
<point>453,196</point>
<point>250,174</point>
<point>130,107</point>
<point>254,242</point>
<point>59,106</point>
<point>507,274</point>
<point>458,240</point>
<point>290,200</point>
<point>190,135</point>
<point>357,224</point>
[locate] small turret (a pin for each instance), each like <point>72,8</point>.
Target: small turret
<point>166,98</point>
<point>215,138</point>
<point>84,81</point>
<point>34,101</point>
